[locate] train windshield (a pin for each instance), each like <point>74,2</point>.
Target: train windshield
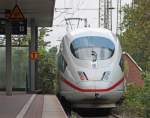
<point>92,48</point>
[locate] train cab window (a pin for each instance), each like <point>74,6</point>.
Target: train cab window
<point>62,64</point>
<point>92,48</point>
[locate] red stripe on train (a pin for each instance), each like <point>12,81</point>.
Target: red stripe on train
<point>93,90</point>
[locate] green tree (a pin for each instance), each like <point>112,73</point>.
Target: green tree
<point>46,64</point>
<point>136,36</point>
<point>146,94</point>
<point>47,69</point>
<point>135,39</point>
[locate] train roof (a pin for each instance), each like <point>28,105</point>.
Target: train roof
<point>90,31</point>
<point>86,30</point>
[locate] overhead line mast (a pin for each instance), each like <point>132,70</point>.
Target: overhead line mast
<point>105,14</point>
<point>119,16</point>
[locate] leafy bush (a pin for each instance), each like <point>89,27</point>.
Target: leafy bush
<point>47,70</point>
<point>137,100</point>
<point>146,94</point>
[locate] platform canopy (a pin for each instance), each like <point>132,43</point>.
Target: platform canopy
<point>40,10</point>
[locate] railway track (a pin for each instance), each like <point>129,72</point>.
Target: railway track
<point>110,116</point>
<point>97,114</point>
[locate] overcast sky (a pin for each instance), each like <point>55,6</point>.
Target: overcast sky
<point>59,27</point>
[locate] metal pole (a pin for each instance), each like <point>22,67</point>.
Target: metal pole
<point>32,63</point>
<point>117,16</point>
<point>107,9</point>
<point>105,14</point>
<point>36,61</point>
<point>8,60</point>
<point>120,17</point>
<point>99,14</point>
<point>111,15</point>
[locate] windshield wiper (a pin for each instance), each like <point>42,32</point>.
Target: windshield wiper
<point>94,54</point>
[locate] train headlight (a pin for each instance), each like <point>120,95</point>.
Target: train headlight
<point>106,75</point>
<point>82,75</point>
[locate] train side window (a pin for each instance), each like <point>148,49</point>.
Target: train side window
<point>62,64</point>
<point>72,50</point>
<point>121,63</point>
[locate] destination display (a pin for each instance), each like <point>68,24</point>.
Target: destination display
<point>18,27</point>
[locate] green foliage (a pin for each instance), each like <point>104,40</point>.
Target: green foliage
<point>46,64</point>
<point>47,69</point>
<point>21,40</point>
<point>136,103</point>
<point>136,40</point>
<point>42,33</point>
<point>146,94</point>
<point>136,36</point>
<point>133,105</point>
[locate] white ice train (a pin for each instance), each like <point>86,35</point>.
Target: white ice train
<point>90,69</point>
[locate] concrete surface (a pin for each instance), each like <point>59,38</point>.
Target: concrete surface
<point>22,105</point>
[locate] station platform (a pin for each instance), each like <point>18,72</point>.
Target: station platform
<point>22,105</point>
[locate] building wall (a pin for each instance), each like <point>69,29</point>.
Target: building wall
<point>133,73</point>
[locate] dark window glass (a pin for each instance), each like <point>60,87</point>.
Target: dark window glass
<point>92,48</point>
<point>121,63</point>
<point>62,63</point>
